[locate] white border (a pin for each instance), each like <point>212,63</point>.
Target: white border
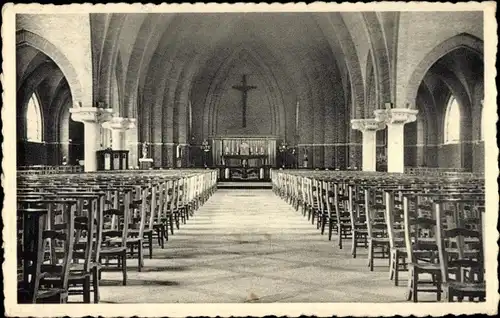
<point>279,309</point>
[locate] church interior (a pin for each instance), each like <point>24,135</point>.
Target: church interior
<point>250,157</point>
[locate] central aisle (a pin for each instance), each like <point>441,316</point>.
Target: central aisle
<point>249,245</point>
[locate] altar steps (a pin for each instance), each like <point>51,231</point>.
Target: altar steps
<point>244,185</point>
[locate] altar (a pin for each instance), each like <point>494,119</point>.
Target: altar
<point>244,158</point>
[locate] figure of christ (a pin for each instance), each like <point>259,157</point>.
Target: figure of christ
<point>244,88</point>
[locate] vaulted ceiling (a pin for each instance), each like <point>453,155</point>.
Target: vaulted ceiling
<point>38,74</point>
<point>306,48</point>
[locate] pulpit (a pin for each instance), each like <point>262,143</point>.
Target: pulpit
<point>109,159</point>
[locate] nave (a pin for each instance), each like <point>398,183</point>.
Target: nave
<point>322,236</point>
<point>251,157</point>
<point>250,246</point>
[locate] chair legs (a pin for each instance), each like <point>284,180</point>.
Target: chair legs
<point>394,265</point>
<point>370,255</point>
<point>330,229</point>
<point>95,284</point>
<point>323,224</point>
<point>150,244</point>
<point>124,267</point>
<point>139,258</point>
<point>86,289</point>
<point>413,284</point>
<point>171,221</point>
<point>160,232</point>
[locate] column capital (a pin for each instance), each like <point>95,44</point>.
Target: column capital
<point>91,114</point>
<point>368,124</point>
<point>396,115</point>
<point>119,123</point>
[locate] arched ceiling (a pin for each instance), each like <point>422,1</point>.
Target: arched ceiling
<point>36,72</point>
<point>456,73</point>
<point>166,48</point>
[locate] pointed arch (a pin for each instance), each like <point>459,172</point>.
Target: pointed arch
<point>25,37</point>
<point>34,120</point>
<point>271,85</point>
<point>464,40</point>
<point>452,121</point>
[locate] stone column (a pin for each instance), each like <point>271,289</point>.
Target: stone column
<point>395,119</point>
<point>118,125</point>
<point>92,118</point>
<point>369,128</point>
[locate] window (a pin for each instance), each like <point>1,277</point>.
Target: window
<point>452,122</point>
<point>33,120</point>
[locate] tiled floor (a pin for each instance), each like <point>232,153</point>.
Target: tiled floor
<point>250,246</point>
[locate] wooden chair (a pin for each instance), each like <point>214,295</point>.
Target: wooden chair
<point>159,205</point>
<point>459,238</point>
<point>115,230</point>
<point>88,223</point>
<point>59,238</point>
<point>395,231</point>
<point>421,246</point>
<point>30,252</point>
<point>342,212</point>
<point>330,217</point>
<point>356,205</point>
<point>145,222</point>
<point>137,223</point>
<point>376,227</point>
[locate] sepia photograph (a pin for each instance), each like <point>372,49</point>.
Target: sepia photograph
<point>250,159</point>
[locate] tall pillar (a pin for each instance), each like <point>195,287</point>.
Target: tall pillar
<point>369,128</point>
<point>118,125</point>
<point>395,119</point>
<point>91,117</point>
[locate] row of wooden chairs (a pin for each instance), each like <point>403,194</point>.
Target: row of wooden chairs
<point>43,169</point>
<point>424,224</point>
<point>72,227</point>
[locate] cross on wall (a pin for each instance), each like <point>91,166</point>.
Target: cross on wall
<point>244,88</point>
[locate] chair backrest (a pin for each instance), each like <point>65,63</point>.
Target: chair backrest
<point>59,238</point>
<point>340,203</point>
<point>420,228</point>
<point>356,205</point>
<point>459,239</point>
<point>87,225</point>
<point>139,207</point>
<point>394,218</point>
<point>116,215</point>
<point>374,211</point>
<point>30,250</point>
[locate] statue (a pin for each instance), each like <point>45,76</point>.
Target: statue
<point>205,146</point>
<point>244,149</point>
<point>306,159</point>
<point>144,150</point>
<point>178,151</point>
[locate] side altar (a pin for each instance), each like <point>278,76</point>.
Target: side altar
<point>244,158</point>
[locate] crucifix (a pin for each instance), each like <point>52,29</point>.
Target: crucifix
<point>244,88</point>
